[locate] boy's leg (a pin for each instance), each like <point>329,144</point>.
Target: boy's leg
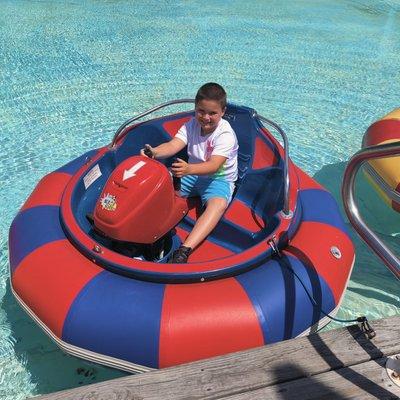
<point>215,208</point>
<point>216,195</point>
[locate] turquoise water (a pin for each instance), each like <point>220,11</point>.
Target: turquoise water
<point>72,72</point>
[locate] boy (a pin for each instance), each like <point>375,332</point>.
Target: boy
<point>211,170</point>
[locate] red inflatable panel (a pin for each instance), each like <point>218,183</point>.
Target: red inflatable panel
<point>382,130</point>
<point>264,156</point>
<point>172,127</point>
<point>242,215</point>
<point>306,182</point>
<point>48,191</point>
<point>316,247</point>
<point>50,287</point>
<point>206,319</point>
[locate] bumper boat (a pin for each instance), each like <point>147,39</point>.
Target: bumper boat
<point>384,173</point>
<point>88,252</point>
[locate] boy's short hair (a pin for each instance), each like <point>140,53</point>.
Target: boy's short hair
<point>212,91</point>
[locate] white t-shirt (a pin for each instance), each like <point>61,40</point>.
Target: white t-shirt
<point>221,142</point>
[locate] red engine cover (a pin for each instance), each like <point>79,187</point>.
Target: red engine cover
<point>138,203</point>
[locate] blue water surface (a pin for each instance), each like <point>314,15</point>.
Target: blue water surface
<point>72,72</point>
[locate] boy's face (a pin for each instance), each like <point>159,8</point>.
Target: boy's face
<point>208,113</point>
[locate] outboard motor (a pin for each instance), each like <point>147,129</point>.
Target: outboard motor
<point>138,203</point>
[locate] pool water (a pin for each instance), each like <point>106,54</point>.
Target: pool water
<point>72,72</point>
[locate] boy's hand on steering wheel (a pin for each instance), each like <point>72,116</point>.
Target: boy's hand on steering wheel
<point>180,168</point>
<point>147,151</point>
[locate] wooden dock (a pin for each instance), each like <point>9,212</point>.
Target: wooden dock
<point>338,364</point>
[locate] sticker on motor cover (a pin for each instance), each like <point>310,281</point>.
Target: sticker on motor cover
<point>108,202</point>
<point>91,176</point>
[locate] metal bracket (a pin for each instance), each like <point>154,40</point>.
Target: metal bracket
<point>274,246</point>
<point>367,329</point>
<point>393,368</point>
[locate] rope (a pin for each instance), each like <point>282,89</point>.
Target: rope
<point>363,321</point>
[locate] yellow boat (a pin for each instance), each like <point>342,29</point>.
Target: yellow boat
<point>384,173</point>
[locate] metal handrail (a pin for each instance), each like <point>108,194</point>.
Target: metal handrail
<point>143,114</point>
<point>348,195</point>
<point>390,192</point>
<point>287,212</point>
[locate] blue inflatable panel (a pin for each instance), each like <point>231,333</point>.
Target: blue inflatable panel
<point>74,165</point>
<point>31,229</point>
<point>264,286</point>
<point>320,206</point>
<point>118,317</point>
<point>282,304</point>
<point>307,283</point>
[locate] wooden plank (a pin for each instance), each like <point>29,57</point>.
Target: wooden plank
<point>363,381</point>
<point>252,369</point>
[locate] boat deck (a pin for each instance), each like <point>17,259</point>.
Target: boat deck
<point>337,364</point>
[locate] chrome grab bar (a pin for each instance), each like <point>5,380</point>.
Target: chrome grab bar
<point>390,193</point>
<point>287,212</point>
<point>143,114</point>
<point>348,195</point>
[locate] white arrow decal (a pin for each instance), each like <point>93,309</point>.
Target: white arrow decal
<point>128,173</point>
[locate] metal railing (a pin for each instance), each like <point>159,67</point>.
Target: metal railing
<point>143,114</point>
<point>390,193</point>
<point>350,206</point>
<point>286,210</point>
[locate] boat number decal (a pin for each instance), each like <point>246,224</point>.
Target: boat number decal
<point>128,173</point>
<point>91,176</point>
<point>108,202</point>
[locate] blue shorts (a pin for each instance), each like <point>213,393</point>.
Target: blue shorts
<point>206,188</point>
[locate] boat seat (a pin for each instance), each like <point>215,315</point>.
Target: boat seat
<point>248,218</point>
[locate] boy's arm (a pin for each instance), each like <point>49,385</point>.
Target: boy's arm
<point>181,168</point>
<point>165,150</point>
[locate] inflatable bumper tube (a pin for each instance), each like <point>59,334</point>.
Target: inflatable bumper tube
<point>384,173</point>
<point>260,277</point>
